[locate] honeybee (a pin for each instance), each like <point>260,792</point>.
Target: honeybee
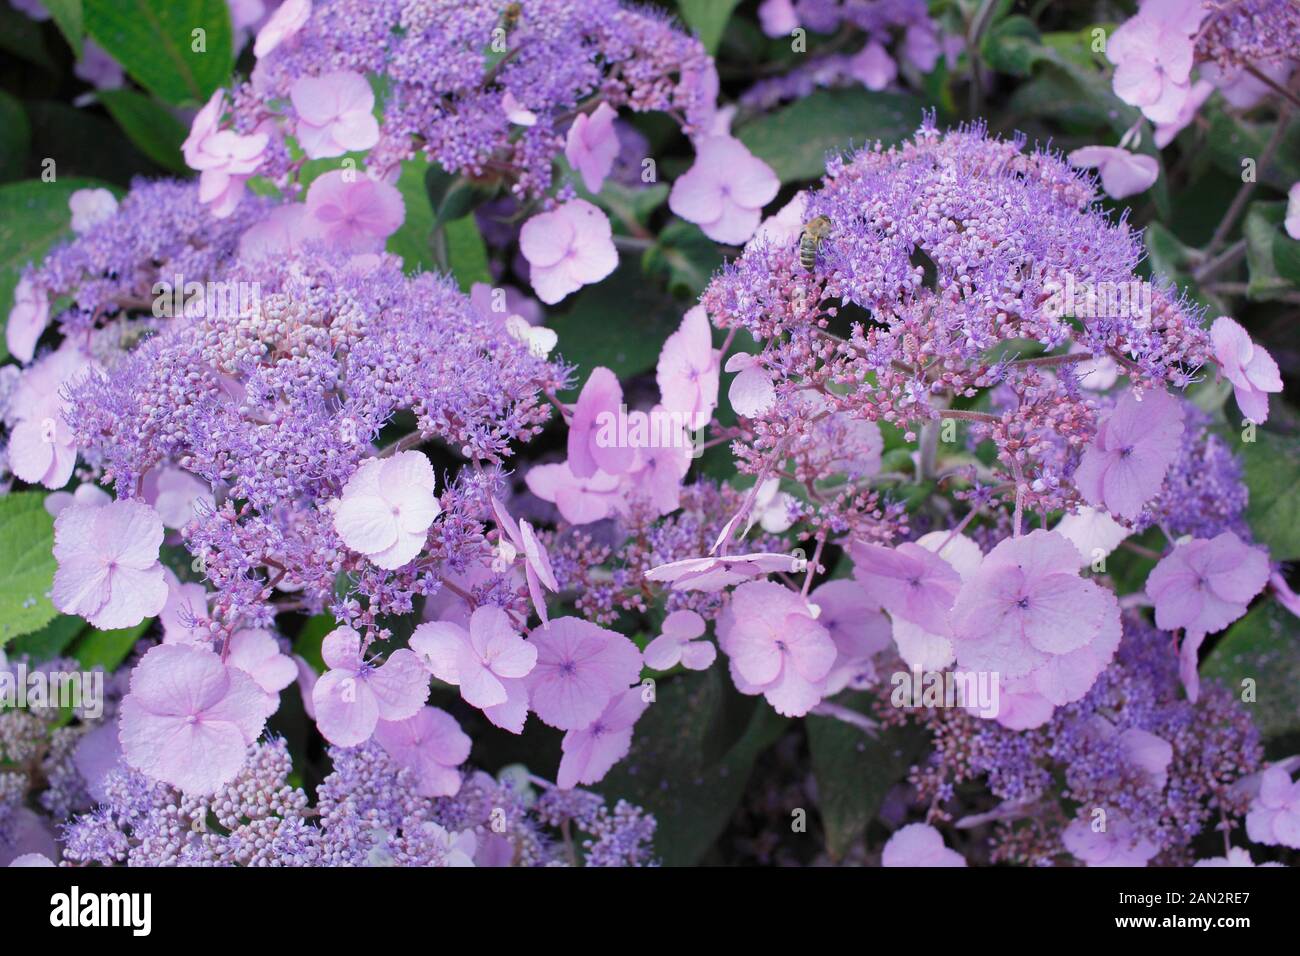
<point>510,16</point>
<point>814,233</point>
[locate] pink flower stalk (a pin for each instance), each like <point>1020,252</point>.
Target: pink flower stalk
<point>1116,845</point>
<point>335,114</point>
<point>256,652</point>
<point>919,844</point>
<point>90,207</point>
<point>687,373</point>
<point>724,192</point>
<point>287,20</point>
<point>1274,816</point>
<point>1203,586</point>
<point>567,248</point>
<point>225,159</point>
<point>580,668</point>
<point>716,573</point>
<point>188,718</point>
<point>776,647</point>
<point>537,563</point>
<point>859,629</point>
<point>588,754</point>
<point>353,213</point>
<point>1123,174</point>
<point>479,660</point>
<point>593,439</point>
<point>592,145</point>
<point>678,645</point>
<point>27,320</point>
<point>1027,616</point>
<point>108,564</point>
<point>354,695</point>
<point>908,581</point>
<point>431,745</point>
<point>1125,465</point>
<point>1249,368</point>
<point>387,508</point>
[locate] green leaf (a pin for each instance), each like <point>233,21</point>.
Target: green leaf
<point>1231,139</point>
<point>413,241</point>
<point>854,772</point>
<point>1264,646</point>
<point>682,768</point>
<point>1013,46</point>
<point>51,640</point>
<point>21,36</point>
<point>708,18</point>
<point>795,140</point>
<point>107,649</point>
<point>451,196</point>
<point>307,644</point>
<point>26,564</point>
<point>67,14</point>
<point>33,216</point>
<point>1271,463</point>
<point>15,137</point>
<point>156,40</point>
<point>466,253</point>
<point>1272,257</point>
<point>685,255</point>
<point>620,323</point>
<point>155,131</point>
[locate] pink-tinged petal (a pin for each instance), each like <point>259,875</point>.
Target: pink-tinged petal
<point>751,392</point>
<point>663,652</point>
<point>179,679</point>
<point>409,469</point>
<point>196,758</point>
<point>287,20</point>
<point>341,649</point>
<point>400,685</point>
<point>27,320</point>
<point>133,596</point>
<point>346,708</point>
<point>81,586</point>
<point>494,637</point>
<point>545,239</point>
<point>873,67</point>
<point>514,712</point>
<point>366,523</point>
<point>698,655</point>
<point>439,645</point>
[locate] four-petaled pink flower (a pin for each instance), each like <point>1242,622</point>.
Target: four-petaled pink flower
<point>387,507</point>
<point>521,539</point>
<point>108,563</point>
<point>431,744</point>
<point>352,212</point>
<point>225,159</point>
<point>42,448</point>
<point>480,660</point>
<point>588,754</point>
<point>919,844</point>
<point>579,500</point>
<point>1125,464</point>
<point>353,695</point>
<point>592,145</point>
<point>1123,173</point>
<point>1274,816</point>
<point>908,581</point>
<point>580,667</point>
<point>724,192</point>
<point>1204,585</point>
<point>1114,843</point>
<point>1249,368</point>
<point>1153,64</point>
<point>678,644</point>
<point>1028,616</point>
<point>188,718</point>
<point>688,372</point>
<point>567,248</point>
<point>335,114</point>
<point>775,647</point>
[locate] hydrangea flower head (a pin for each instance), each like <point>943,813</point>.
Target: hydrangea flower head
<point>109,571</point>
<point>1203,585</point>
<point>334,114</point>
<point>352,212</point>
<point>188,718</point>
